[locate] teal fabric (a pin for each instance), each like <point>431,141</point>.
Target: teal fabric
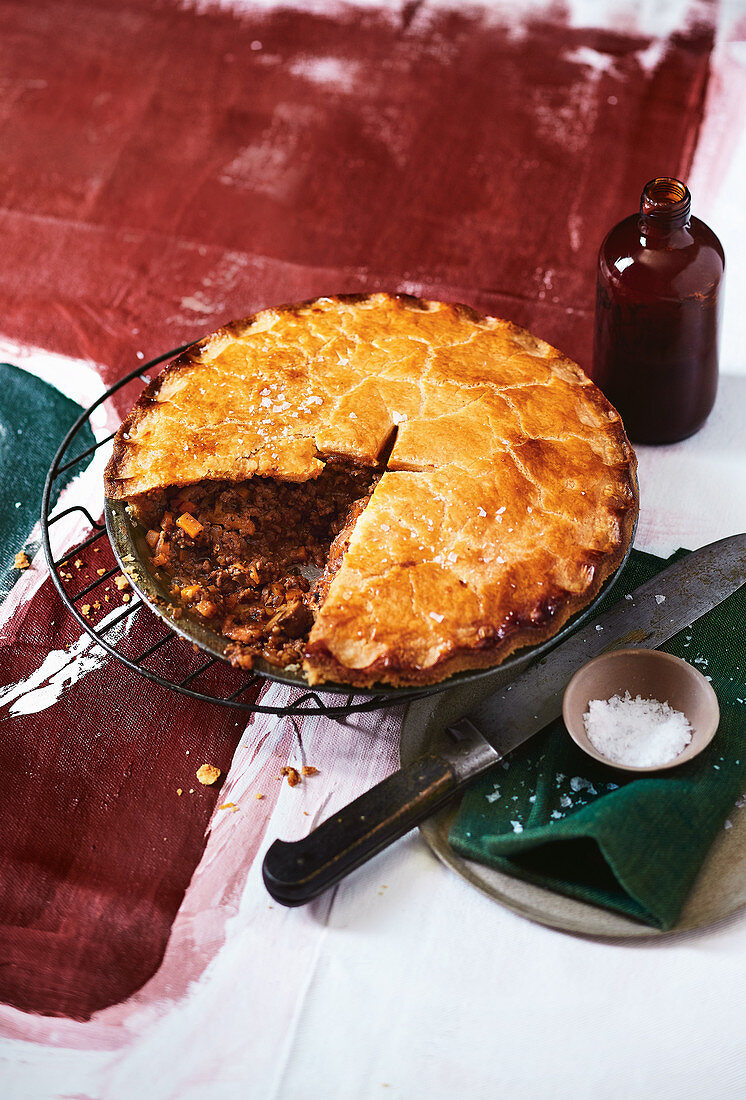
<point>552,816</point>
<point>34,418</point>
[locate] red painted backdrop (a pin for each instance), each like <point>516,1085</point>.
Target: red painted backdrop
<point>165,169</point>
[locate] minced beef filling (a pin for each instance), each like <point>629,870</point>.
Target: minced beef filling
<point>235,551</point>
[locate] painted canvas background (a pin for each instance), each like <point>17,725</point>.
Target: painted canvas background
<point>164,168</point>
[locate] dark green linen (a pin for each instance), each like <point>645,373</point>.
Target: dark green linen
<point>551,815</point>
<point>34,418</point>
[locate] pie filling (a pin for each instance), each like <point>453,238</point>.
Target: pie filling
<point>254,559</point>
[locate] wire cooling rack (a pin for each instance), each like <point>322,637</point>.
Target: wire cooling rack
<point>110,616</point>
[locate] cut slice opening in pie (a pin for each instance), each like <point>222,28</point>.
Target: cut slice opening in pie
<point>377,488</point>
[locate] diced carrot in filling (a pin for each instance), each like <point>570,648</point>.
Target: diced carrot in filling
<point>189,591</point>
<point>190,525</point>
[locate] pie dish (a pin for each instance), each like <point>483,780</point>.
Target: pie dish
<point>463,487</point>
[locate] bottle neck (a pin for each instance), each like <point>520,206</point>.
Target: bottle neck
<point>665,205</point>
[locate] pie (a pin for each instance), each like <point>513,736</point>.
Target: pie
<point>460,488</point>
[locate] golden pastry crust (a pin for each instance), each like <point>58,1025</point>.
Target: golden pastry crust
<point>509,494</point>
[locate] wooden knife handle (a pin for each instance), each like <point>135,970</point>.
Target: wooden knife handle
<point>294,872</point>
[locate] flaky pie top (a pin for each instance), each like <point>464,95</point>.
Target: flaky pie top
<point>509,490</point>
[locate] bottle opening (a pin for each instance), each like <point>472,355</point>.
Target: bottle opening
<point>665,199</point>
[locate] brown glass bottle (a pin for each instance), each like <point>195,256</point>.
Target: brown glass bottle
<point>658,310</point>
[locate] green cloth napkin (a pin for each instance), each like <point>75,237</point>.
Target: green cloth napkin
<point>551,815</point>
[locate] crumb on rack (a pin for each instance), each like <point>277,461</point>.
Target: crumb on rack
<point>229,806</point>
<point>258,796</point>
<point>121,582</point>
<point>21,561</point>
<point>100,572</point>
<point>308,769</point>
<point>293,775</point>
<point>86,609</point>
<point>78,563</point>
<point>208,774</point>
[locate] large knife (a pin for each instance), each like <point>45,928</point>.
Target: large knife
<point>295,872</point>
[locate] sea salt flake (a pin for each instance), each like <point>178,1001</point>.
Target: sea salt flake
<point>660,599</point>
<point>492,797</point>
<point>438,618</point>
<point>643,733</point>
<point>517,827</point>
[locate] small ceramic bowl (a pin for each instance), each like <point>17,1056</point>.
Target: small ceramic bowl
<point>651,674</point>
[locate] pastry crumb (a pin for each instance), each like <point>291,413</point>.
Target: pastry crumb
<point>100,572</point>
<point>258,796</point>
<point>126,597</point>
<point>21,561</point>
<point>229,806</point>
<point>293,775</point>
<point>121,582</point>
<point>179,791</point>
<point>86,609</point>
<point>208,774</point>
<point>78,563</point>
<point>308,769</point>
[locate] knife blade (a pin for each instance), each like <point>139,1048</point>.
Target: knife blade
<point>295,872</point>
